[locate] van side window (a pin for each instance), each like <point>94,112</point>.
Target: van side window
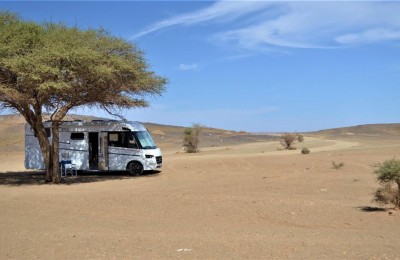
<point>113,139</point>
<point>77,136</point>
<point>121,139</point>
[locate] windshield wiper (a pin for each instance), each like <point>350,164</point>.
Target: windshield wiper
<point>149,147</point>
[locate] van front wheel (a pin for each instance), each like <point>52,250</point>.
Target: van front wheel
<point>135,169</point>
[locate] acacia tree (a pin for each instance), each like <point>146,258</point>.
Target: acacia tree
<point>54,68</point>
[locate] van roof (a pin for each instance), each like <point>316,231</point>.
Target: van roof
<point>98,125</point>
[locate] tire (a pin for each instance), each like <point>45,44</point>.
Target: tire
<point>135,169</point>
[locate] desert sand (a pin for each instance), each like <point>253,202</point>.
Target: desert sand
<point>227,202</point>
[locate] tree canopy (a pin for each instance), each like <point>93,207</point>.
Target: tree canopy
<point>53,68</point>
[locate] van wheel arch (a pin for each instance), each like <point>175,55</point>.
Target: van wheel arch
<point>135,168</point>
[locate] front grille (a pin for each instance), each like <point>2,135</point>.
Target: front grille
<point>159,159</point>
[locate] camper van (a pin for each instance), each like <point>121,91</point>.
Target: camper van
<point>99,145</point>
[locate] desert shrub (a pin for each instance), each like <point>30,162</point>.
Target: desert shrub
<point>388,171</point>
<point>287,140</point>
<point>337,166</point>
<point>300,138</point>
<point>191,138</point>
<point>387,194</point>
<point>388,175</point>
<point>305,150</point>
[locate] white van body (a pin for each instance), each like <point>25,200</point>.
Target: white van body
<point>98,145</point>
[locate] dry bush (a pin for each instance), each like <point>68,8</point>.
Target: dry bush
<point>337,166</point>
<point>287,140</point>
<point>388,175</point>
<point>388,194</point>
<point>300,138</point>
<point>305,150</point>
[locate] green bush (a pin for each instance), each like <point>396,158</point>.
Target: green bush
<point>191,138</point>
<point>388,171</point>
<point>388,175</point>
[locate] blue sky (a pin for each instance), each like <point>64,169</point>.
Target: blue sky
<point>260,66</point>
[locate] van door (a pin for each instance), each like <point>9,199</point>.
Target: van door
<point>94,151</point>
<point>103,151</point>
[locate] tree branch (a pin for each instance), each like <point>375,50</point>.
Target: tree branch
<point>113,114</point>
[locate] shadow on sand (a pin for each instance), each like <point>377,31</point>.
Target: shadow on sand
<point>373,209</point>
<point>37,177</point>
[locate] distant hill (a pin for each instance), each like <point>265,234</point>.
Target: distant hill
<point>166,136</point>
<point>372,131</point>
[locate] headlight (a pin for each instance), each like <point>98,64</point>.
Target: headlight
<point>148,156</point>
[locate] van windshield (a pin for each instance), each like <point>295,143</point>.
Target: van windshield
<point>145,140</point>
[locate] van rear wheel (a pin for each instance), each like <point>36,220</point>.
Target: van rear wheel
<point>135,169</point>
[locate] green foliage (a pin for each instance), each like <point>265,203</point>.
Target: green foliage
<point>191,138</point>
<point>388,171</point>
<point>388,175</point>
<point>305,150</point>
<point>65,65</point>
<point>337,166</point>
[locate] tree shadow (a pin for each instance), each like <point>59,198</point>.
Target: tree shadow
<point>37,177</point>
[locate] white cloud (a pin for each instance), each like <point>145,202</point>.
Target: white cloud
<point>320,25</point>
<point>369,36</point>
<point>222,10</point>
<point>265,24</point>
<point>185,67</point>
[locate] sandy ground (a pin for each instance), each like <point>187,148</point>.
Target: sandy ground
<point>247,201</point>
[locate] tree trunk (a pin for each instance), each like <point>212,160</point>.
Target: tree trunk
<point>55,151</point>
<point>56,120</point>
<point>35,121</point>
<point>50,152</point>
<point>45,148</point>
